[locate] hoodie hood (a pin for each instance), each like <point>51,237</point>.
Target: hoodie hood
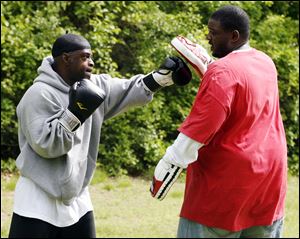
<point>48,76</point>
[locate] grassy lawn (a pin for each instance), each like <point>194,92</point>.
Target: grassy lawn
<point>123,207</point>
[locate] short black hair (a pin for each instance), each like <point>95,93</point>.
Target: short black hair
<point>69,42</point>
<point>233,18</point>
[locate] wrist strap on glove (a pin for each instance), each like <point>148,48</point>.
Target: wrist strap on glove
<point>150,83</point>
<point>69,121</point>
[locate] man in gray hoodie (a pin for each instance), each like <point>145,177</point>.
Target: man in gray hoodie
<point>60,118</point>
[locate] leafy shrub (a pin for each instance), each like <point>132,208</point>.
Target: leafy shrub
<point>130,37</point>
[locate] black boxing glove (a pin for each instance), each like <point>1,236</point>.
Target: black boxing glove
<point>84,98</point>
<point>173,70</point>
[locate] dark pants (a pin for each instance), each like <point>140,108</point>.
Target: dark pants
<point>25,227</point>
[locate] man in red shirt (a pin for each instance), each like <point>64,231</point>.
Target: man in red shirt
<point>232,143</point>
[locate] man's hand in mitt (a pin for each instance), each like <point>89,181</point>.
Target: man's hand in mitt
<point>165,175</point>
<point>195,54</point>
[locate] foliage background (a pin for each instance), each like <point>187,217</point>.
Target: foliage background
<point>131,37</point>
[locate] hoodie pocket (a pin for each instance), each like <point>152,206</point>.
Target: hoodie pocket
<point>72,184</point>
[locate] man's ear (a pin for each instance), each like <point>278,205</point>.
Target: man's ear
<point>235,36</point>
<point>65,58</point>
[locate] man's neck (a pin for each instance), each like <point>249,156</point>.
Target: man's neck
<point>60,73</point>
<point>244,46</point>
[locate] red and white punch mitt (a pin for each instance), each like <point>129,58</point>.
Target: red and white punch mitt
<point>165,175</point>
<point>195,54</point>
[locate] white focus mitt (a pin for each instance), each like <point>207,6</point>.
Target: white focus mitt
<point>178,156</point>
<point>165,175</point>
<point>195,54</point>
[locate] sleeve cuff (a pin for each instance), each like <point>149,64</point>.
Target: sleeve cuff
<point>183,151</point>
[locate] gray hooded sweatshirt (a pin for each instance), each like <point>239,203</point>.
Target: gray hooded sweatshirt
<point>60,162</point>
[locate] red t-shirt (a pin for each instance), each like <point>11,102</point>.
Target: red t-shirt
<point>239,179</point>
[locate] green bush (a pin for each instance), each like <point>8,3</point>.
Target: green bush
<point>130,37</point>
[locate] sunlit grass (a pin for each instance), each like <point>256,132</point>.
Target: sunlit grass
<point>123,207</point>
<point>291,224</point>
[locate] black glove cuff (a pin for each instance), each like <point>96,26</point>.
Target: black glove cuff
<point>150,83</point>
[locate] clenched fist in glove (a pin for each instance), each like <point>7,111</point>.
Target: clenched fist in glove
<point>84,98</point>
<point>173,70</point>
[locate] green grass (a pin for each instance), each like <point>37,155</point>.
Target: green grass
<point>291,224</point>
<point>123,207</point>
